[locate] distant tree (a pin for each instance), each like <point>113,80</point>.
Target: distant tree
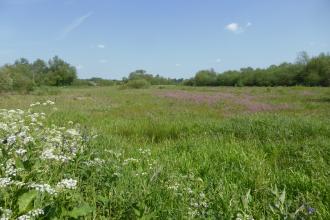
<point>6,82</point>
<point>206,78</point>
<point>60,73</point>
<point>302,58</point>
<point>20,74</point>
<point>318,71</point>
<point>39,71</point>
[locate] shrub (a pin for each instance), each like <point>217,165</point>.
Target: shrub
<point>6,82</point>
<point>138,84</point>
<point>206,78</point>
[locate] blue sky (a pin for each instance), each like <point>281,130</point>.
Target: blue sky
<point>173,38</point>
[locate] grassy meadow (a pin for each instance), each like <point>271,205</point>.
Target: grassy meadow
<point>172,152</point>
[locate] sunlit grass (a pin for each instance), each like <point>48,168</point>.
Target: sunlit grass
<point>161,157</point>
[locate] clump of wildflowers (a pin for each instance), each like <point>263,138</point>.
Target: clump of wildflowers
<point>190,189</point>
<point>29,152</point>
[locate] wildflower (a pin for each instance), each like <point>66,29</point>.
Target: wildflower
<point>11,139</point>
<point>3,126</point>
<point>27,140</point>
<point>6,213</point>
<point>310,210</point>
<point>43,188</point>
<point>6,181</point>
<point>72,132</point>
<point>95,162</point>
<point>31,214</point>
<point>133,160</point>
<point>10,168</point>
<point>50,102</point>
<point>67,184</point>
<point>20,152</point>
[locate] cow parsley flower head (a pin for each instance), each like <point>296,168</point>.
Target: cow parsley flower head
<point>6,181</point>
<point>11,139</point>
<point>31,214</point>
<point>20,151</point>
<point>43,188</point>
<point>67,184</point>
<point>6,213</point>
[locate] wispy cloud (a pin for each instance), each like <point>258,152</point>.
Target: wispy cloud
<point>74,24</point>
<point>218,60</point>
<point>237,28</point>
<point>178,64</point>
<point>101,46</point>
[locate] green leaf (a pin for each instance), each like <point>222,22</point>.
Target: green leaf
<point>25,200</point>
<point>246,199</point>
<point>282,197</point>
<point>80,211</point>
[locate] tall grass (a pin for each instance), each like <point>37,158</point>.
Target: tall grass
<point>156,158</point>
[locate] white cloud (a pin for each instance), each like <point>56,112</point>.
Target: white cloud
<point>177,64</point>
<point>103,61</point>
<point>237,28</point>
<point>218,60</point>
<point>101,46</point>
<point>74,24</point>
<point>234,27</point>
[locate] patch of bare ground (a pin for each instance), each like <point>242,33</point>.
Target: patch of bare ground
<point>248,101</point>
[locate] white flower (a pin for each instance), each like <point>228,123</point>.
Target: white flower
<point>6,214</point>
<point>21,151</point>
<point>31,214</point>
<point>50,102</point>
<point>48,154</point>
<point>4,126</point>
<point>67,184</point>
<point>28,140</point>
<point>5,182</point>
<point>95,162</point>
<point>43,188</point>
<point>11,139</point>
<point>10,168</point>
<point>72,132</point>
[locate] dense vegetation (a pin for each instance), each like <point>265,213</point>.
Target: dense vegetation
<point>170,153</point>
<point>306,71</point>
<point>142,75</point>
<point>24,76</point>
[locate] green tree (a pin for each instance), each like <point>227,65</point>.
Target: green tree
<point>6,82</point>
<point>60,73</point>
<point>206,78</point>
<point>39,70</point>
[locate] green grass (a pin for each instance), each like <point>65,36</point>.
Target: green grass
<point>219,160</point>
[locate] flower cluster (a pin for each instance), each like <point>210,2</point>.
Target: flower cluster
<point>29,150</point>
<point>33,214</point>
<point>190,189</point>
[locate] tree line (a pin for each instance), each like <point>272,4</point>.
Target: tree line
<point>305,71</point>
<point>24,76</point>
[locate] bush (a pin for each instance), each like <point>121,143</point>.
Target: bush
<point>6,83</point>
<point>138,84</point>
<point>206,78</point>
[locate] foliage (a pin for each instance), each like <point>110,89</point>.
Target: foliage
<point>306,71</point>
<point>161,158</point>
<point>205,78</point>
<point>153,80</point>
<point>24,76</point>
<point>60,73</point>
<point>137,84</point>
